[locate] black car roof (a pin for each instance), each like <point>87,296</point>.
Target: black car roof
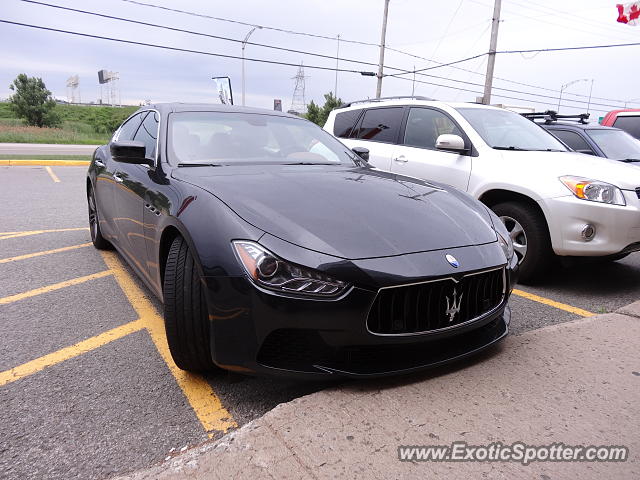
<point>575,126</point>
<point>165,108</point>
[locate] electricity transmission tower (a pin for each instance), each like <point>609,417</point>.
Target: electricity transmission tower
<point>298,102</point>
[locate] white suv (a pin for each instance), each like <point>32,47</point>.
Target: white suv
<point>550,199</point>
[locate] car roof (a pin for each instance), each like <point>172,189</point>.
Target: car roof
<point>374,103</point>
<point>165,108</point>
<point>575,126</point>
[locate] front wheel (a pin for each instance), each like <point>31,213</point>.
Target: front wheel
<point>186,316</point>
<point>530,236</point>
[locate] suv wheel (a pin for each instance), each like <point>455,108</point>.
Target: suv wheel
<point>528,231</point>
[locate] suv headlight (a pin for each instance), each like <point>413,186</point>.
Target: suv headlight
<point>594,190</point>
<point>271,272</point>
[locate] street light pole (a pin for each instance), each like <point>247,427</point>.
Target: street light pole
<point>567,85</point>
<point>383,35</point>
<point>244,44</point>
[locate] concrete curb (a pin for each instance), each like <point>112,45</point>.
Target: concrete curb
<point>574,383</point>
<point>44,163</point>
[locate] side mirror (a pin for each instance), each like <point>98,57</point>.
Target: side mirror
<point>362,152</point>
<point>453,143</point>
<point>129,151</point>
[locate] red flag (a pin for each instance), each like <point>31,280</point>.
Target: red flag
<point>629,13</point>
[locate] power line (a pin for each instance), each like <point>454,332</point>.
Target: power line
<point>437,66</point>
<point>191,32</point>
<point>247,24</point>
<point>319,67</point>
<point>177,49</point>
<point>357,42</point>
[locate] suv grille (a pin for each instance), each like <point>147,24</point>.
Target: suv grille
<point>435,305</point>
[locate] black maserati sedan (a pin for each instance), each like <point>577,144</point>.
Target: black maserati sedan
<point>275,249</point>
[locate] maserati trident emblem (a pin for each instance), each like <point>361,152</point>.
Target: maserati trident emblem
<point>453,261</point>
<point>453,305</point>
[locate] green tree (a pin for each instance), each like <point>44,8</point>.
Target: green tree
<point>319,115</point>
<point>33,102</point>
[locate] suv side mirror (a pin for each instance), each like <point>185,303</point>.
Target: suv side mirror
<point>129,151</point>
<point>453,143</point>
<point>362,152</point>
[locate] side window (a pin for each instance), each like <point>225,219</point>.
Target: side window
<point>630,124</point>
<point>148,133</point>
<point>573,140</point>
<point>343,123</point>
<point>425,125</point>
<point>128,130</point>
<point>380,125</point>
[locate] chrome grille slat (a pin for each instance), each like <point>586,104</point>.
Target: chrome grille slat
<point>421,307</point>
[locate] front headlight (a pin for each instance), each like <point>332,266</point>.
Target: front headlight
<point>506,244</point>
<point>504,239</point>
<point>594,190</point>
<point>271,272</point>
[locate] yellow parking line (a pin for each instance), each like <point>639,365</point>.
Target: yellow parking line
<point>45,252</point>
<point>553,303</point>
<point>205,403</point>
<point>53,176</point>
<point>5,235</point>
<point>67,353</point>
<point>54,287</point>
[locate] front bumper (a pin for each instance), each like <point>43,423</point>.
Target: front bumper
<point>256,332</point>
<point>617,227</point>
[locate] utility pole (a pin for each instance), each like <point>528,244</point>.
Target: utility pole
<point>335,90</point>
<point>488,81</point>
<point>382,40</point>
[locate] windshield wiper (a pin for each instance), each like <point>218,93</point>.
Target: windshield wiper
<point>309,163</point>
<point>187,164</point>
<point>509,148</point>
<point>630,160</point>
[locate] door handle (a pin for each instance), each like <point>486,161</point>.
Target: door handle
<point>401,159</point>
<point>118,178</point>
<point>99,163</point>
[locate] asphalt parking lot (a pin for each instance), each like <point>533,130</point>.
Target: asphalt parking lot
<point>87,386</point>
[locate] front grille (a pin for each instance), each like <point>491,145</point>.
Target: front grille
<point>430,306</point>
<point>638,192</point>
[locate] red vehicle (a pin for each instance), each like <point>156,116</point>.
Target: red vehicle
<point>627,120</point>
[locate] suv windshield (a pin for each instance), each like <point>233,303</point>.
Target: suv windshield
<point>615,144</point>
<point>502,129</point>
<point>221,138</point>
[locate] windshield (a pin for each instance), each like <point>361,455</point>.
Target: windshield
<point>507,130</point>
<point>616,144</point>
<point>222,138</point>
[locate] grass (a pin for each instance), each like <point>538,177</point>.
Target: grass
<point>81,124</point>
<point>46,157</point>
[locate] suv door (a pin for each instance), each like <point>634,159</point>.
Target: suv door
<point>417,155</point>
<point>574,141</point>
<point>378,131</point>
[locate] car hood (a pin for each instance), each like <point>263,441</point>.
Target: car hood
<point>350,213</point>
<point>557,164</point>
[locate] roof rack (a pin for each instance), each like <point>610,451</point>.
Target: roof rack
<point>551,116</point>
<point>382,99</point>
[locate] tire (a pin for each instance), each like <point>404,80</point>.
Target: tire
<point>98,240</point>
<point>186,317</point>
<point>530,235</point>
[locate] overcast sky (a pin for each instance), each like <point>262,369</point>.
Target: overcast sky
<point>442,30</point>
